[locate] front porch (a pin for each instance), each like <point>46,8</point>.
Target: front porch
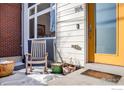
<point>68,33</point>
<point>74,78</point>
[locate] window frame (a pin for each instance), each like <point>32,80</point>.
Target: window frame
<point>35,16</point>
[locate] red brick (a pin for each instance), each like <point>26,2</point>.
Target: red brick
<point>10,30</point>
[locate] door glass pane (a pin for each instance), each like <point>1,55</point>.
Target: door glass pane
<point>106,28</point>
<point>32,11</point>
<point>30,4</point>
<point>31,28</point>
<point>42,6</point>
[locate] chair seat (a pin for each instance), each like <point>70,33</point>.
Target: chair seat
<point>36,62</point>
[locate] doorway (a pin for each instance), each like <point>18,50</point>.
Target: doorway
<point>105,33</point>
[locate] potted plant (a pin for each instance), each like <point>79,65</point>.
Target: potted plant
<point>57,68</point>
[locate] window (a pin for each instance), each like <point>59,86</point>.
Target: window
<point>106,28</point>
<point>42,6</point>
<point>31,27</point>
<point>30,4</point>
<point>42,20</point>
<point>32,11</point>
<point>43,23</point>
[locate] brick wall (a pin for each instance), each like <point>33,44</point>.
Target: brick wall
<point>10,30</point>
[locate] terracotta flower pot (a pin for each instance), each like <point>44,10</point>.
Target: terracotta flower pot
<point>6,68</point>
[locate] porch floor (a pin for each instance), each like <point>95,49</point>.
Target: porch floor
<point>74,78</point>
<point>35,78</point>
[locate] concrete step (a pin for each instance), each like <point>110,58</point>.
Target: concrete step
<point>19,65</point>
<point>118,70</point>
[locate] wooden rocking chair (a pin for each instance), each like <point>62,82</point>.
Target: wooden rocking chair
<point>38,55</point>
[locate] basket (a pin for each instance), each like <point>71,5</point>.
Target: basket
<point>6,68</point>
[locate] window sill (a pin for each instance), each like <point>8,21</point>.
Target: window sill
<point>42,38</point>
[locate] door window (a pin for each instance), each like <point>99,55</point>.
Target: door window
<point>105,28</point>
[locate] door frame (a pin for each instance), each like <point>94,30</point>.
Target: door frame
<point>117,36</point>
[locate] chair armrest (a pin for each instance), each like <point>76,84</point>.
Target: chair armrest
<point>46,55</point>
<point>28,54</point>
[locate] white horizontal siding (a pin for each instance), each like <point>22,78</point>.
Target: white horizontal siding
<point>70,26</point>
<point>71,50</point>
<point>70,39</point>
<point>71,33</point>
<point>67,33</point>
<point>61,24</point>
<point>75,17</point>
<point>67,11</point>
<point>69,44</point>
<point>66,6</point>
<point>72,59</point>
<point>62,4</point>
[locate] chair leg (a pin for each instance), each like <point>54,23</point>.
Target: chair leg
<point>45,68</point>
<point>26,68</point>
<point>30,67</point>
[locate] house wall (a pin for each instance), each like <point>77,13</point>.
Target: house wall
<point>10,30</point>
<point>70,41</point>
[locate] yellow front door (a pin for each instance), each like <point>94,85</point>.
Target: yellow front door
<point>106,33</point>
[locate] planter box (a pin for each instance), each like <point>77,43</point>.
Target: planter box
<point>62,68</point>
<point>68,68</point>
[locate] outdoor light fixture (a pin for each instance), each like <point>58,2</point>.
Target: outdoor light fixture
<point>78,26</point>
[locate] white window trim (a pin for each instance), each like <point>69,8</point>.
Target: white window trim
<point>35,20</point>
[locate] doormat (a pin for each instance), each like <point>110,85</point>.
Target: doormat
<point>102,75</point>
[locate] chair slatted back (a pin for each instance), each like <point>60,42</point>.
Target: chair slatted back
<point>38,49</point>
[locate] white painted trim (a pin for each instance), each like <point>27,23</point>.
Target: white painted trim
<point>35,18</point>
<point>26,28</point>
<point>35,23</point>
<point>28,21</point>
<point>33,6</point>
<point>43,12</point>
<point>30,17</point>
<point>54,42</point>
<point>86,35</point>
<point>22,29</point>
<point>55,7</point>
<point>42,38</point>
